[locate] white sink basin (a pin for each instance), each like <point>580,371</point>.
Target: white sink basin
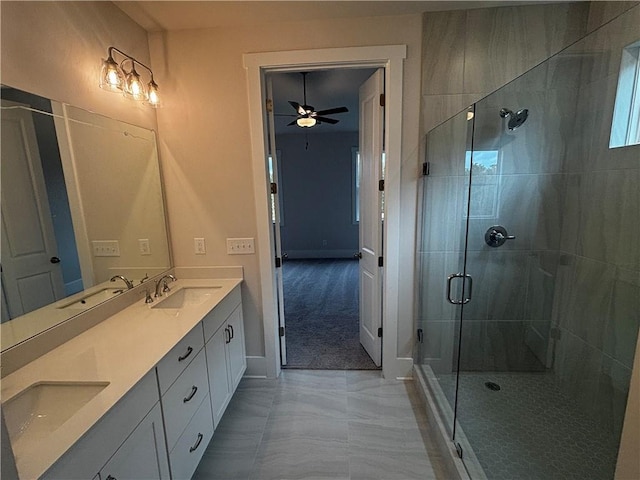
<point>187,296</point>
<point>40,409</point>
<point>92,299</point>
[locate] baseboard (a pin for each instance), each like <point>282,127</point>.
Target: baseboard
<point>256,367</point>
<point>400,368</point>
<point>300,254</point>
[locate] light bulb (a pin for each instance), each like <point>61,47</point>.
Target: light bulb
<point>153,98</point>
<point>111,77</point>
<point>134,88</point>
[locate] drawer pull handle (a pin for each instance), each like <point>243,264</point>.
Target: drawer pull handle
<point>194,389</point>
<point>197,444</point>
<point>184,357</point>
<point>110,477</point>
<point>231,330</point>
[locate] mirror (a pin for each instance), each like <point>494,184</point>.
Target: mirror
<point>81,203</point>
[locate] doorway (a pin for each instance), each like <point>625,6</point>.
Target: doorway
<point>258,65</point>
<point>316,211</point>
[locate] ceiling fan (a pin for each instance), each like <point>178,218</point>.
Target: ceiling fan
<point>307,116</point>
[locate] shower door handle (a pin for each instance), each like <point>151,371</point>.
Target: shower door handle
<point>450,278</point>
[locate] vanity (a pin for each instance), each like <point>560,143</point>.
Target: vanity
<point>138,395</point>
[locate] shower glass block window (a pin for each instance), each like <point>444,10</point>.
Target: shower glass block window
<point>625,127</point>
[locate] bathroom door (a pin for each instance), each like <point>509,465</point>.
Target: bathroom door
<point>275,218</point>
<point>371,137</point>
<point>31,274</point>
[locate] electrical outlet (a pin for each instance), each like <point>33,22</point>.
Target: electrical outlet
<point>240,246</point>
<point>144,247</point>
<point>199,247</point>
<point>105,248</point>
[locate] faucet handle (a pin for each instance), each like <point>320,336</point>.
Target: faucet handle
<point>166,288</point>
<point>148,298</point>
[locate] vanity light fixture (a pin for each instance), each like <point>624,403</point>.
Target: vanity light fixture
<point>116,77</point>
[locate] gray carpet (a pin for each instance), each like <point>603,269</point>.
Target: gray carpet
<point>321,315</point>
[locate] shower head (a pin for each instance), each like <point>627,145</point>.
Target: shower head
<point>515,119</point>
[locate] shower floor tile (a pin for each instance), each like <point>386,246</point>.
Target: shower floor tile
<point>529,429</point>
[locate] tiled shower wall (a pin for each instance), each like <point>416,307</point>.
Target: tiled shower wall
<point>574,202</point>
<point>597,299</point>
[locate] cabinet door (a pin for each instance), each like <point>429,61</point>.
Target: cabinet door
<point>219,382</point>
<point>237,358</point>
<point>142,455</point>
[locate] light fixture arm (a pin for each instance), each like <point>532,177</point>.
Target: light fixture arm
<point>133,60</point>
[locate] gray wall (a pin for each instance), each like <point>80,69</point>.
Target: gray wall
<point>317,195</point>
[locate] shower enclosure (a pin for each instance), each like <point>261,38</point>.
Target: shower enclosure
<point>529,261</point>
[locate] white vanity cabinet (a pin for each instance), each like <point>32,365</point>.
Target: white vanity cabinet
<point>225,349</point>
<point>143,453</point>
<point>184,389</point>
<point>134,423</point>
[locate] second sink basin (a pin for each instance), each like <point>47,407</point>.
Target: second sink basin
<point>187,296</point>
<point>40,409</point>
<point>92,299</point>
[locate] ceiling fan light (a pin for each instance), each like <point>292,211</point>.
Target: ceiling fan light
<point>306,122</point>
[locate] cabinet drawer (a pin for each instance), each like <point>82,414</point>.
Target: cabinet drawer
<point>187,452</point>
<point>216,317</point>
<point>184,397</point>
<point>179,358</point>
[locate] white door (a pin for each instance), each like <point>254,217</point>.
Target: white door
<point>371,136</point>
<point>275,218</point>
<point>31,274</point>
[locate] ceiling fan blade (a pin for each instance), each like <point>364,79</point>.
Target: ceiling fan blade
<point>292,123</point>
<point>331,111</point>
<point>298,108</point>
<point>284,115</point>
<point>332,121</point>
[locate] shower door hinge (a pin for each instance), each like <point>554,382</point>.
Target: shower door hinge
<point>381,261</point>
<point>425,168</point>
<point>281,331</point>
<point>459,449</point>
<point>274,188</point>
<point>380,332</point>
<point>381,185</point>
<point>278,262</point>
<point>269,105</point>
<point>382,100</point>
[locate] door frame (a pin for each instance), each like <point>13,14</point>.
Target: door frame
<point>391,58</point>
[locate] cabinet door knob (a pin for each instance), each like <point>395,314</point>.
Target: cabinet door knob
<point>194,389</point>
<point>197,444</point>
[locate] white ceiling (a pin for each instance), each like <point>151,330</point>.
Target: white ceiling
<point>181,14</point>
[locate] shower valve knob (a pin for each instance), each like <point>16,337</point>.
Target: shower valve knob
<point>497,235</point>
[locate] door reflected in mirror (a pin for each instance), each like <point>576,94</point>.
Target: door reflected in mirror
<point>81,202</point>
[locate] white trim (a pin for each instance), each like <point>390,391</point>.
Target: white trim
<point>391,58</point>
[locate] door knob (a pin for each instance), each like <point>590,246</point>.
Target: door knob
<point>54,260</point>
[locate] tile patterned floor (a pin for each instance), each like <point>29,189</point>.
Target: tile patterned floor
<point>530,430</point>
<point>322,424</point>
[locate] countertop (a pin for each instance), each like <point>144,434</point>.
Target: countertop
<point>120,350</point>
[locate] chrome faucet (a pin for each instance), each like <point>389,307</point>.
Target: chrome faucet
<point>163,281</point>
<point>125,279</point>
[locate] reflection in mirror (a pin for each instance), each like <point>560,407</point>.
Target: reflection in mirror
<point>81,203</point>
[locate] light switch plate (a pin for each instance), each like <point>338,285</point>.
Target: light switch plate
<point>144,246</point>
<point>105,248</point>
<point>199,246</point>
<point>240,246</point>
